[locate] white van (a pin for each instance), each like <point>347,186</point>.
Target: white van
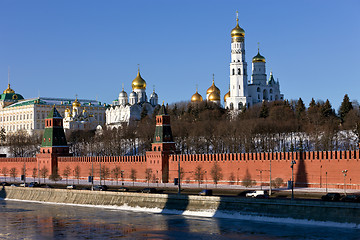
<point>258,194</point>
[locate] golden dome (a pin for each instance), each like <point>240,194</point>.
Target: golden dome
<point>9,90</point>
<point>237,31</point>
<point>258,58</point>
<point>138,82</point>
<point>76,103</point>
<point>226,96</point>
<point>213,88</point>
<point>67,110</point>
<point>214,96</point>
<point>196,97</point>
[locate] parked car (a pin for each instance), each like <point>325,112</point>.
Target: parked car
<point>123,189</point>
<point>206,192</point>
<point>331,197</point>
<point>258,194</point>
<point>70,187</point>
<point>351,198</point>
<point>149,190</point>
<point>23,185</point>
<point>34,184</point>
<point>100,188</point>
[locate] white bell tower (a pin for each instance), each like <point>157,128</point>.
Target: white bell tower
<point>238,70</point>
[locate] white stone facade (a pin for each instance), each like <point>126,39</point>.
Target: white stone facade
<point>243,92</point>
<point>30,114</point>
<point>126,109</point>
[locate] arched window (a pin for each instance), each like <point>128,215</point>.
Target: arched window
<point>233,71</point>
<point>265,95</point>
<point>240,105</point>
<point>239,71</point>
<point>159,149</point>
<point>154,148</point>
<point>271,91</point>
<point>258,89</point>
<point>231,106</point>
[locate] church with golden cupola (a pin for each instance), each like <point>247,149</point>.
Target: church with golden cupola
<point>242,91</point>
<point>130,107</point>
<point>212,94</point>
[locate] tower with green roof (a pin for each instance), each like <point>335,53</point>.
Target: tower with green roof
<point>162,147</point>
<point>53,143</point>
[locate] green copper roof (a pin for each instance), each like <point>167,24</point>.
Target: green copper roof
<point>53,114</point>
<point>163,134</point>
<point>271,79</point>
<point>54,136</point>
<point>11,96</point>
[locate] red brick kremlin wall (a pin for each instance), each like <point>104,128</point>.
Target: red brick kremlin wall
<point>312,169</point>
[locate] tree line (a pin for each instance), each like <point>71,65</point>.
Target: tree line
<point>203,128</point>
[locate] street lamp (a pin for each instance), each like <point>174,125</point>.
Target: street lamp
<point>292,179</point>
<point>326,181</point>
<point>344,172</point>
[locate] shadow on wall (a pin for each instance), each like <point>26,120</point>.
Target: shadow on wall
<point>301,177</point>
<point>176,204</point>
<point>3,193</point>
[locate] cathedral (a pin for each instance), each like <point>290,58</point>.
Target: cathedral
<point>242,92</point>
<point>129,108</point>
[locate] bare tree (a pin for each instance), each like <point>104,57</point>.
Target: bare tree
<point>133,175</point>
<point>148,175</point>
<point>116,172</point>
<point>4,171</point>
<point>34,173</point>
<point>247,181</point>
<point>232,178</point>
<point>13,173</point>
<point>216,173</point>
<point>105,173</point>
<point>44,172</point>
<point>66,173</point>
<point>199,174</point>
<point>77,173</point>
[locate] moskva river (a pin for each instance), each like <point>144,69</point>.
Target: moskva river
<point>24,220</point>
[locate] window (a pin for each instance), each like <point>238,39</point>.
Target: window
<point>233,73</point>
<point>231,106</point>
<point>239,71</point>
<point>258,89</point>
<point>271,91</point>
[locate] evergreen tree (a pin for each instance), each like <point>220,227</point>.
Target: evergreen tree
<point>300,108</point>
<point>312,104</point>
<point>345,107</point>
<point>264,111</point>
<point>326,109</point>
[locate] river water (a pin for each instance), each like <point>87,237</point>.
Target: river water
<point>26,220</point>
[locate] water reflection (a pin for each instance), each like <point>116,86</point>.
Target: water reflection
<point>21,220</point>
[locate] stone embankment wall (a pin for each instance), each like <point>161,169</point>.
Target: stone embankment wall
<point>312,169</point>
<point>200,205</point>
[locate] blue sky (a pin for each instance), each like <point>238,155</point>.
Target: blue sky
<point>90,48</point>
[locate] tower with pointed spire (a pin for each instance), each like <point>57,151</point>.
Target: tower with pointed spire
<point>53,142</point>
<point>163,145</point>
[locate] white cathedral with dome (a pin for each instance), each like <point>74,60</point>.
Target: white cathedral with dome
<point>129,108</point>
<point>243,92</point>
